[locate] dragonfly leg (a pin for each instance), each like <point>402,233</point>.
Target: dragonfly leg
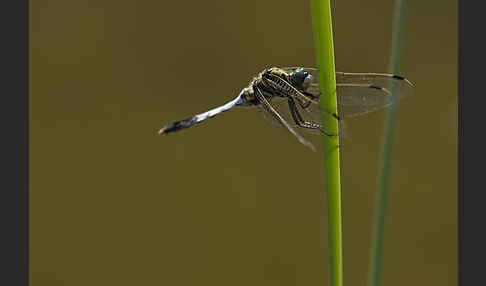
<point>268,107</point>
<point>311,95</point>
<point>301,122</point>
<point>305,99</point>
<point>315,97</point>
<point>283,85</point>
<point>305,105</point>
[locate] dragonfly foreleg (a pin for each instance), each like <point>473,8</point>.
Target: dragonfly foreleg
<point>304,98</point>
<point>268,107</point>
<point>282,85</point>
<point>301,122</point>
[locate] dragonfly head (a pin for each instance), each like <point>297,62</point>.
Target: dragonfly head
<point>301,78</point>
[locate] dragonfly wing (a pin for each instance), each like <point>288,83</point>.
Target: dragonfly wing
<point>309,114</point>
<point>361,93</point>
<point>312,114</point>
<point>271,119</point>
<point>272,112</point>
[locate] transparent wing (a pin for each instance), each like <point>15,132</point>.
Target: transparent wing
<point>307,112</point>
<point>278,117</point>
<point>361,93</point>
<point>310,114</point>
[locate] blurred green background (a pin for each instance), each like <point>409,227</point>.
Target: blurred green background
<point>234,201</point>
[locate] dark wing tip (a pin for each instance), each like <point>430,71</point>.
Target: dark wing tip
<point>376,87</point>
<point>399,77</point>
<point>176,126</point>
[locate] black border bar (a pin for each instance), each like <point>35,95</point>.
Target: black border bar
<point>14,118</point>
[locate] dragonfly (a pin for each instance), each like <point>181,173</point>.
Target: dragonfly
<point>289,97</point>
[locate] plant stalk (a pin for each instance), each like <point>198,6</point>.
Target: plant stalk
<point>324,48</point>
<point>377,239</point>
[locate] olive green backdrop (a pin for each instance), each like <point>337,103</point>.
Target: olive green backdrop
<point>235,200</point>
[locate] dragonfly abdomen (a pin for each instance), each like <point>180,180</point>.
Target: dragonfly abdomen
<point>178,125</point>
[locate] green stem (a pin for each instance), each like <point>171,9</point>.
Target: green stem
<point>324,47</point>
<point>376,257</point>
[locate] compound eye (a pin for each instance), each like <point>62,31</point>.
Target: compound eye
<point>307,80</point>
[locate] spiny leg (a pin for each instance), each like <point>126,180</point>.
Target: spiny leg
<point>310,95</point>
<point>268,107</point>
<point>308,103</point>
<point>316,97</point>
<point>278,82</point>
<point>301,122</point>
<point>304,98</point>
<point>298,118</point>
